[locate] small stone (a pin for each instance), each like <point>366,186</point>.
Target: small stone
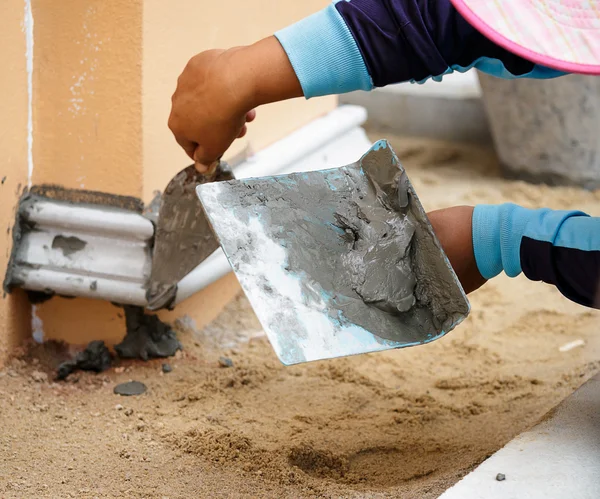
<point>12,373</point>
<point>500,477</point>
<point>166,368</point>
<point>178,354</point>
<point>130,388</point>
<point>128,412</point>
<point>39,376</point>
<point>119,370</point>
<point>119,407</point>
<point>225,362</point>
<point>140,426</point>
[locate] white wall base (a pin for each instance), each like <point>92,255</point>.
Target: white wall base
<point>559,458</point>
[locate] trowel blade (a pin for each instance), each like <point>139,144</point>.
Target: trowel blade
<point>337,262</point>
<point>183,237</point>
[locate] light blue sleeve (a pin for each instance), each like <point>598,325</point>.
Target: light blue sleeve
<point>499,229</point>
<point>324,55</point>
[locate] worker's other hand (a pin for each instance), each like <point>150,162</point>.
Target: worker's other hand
<point>453,227</point>
<point>210,107</point>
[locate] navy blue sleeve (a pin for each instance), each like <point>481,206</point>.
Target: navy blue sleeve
<point>571,263</point>
<point>561,248</point>
<point>403,40</point>
<point>361,44</point>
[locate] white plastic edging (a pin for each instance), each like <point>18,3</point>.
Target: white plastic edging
<point>105,220</point>
<point>301,143</point>
<point>61,283</point>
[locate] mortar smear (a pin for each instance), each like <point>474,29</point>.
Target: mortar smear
<point>147,336</point>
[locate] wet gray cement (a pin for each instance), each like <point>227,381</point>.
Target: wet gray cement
<point>96,357</point>
<point>147,336</point>
<point>68,244</point>
<point>358,236</point>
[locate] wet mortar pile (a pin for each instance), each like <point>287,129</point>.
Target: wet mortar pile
<point>228,420</point>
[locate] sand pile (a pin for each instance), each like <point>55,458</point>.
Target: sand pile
<point>405,423</point>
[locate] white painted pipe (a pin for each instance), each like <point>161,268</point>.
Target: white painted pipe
<point>108,221</point>
<point>302,142</point>
<point>272,160</point>
<point>116,291</point>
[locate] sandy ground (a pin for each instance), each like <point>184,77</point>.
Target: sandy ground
<point>405,423</point>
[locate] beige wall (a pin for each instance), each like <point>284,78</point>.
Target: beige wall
<point>14,309</point>
<point>104,72</point>
<point>87,125</point>
<point>87,101</point>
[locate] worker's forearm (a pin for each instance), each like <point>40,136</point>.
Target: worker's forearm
<point>264,73</point>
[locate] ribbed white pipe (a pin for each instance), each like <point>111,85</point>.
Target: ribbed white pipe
<point>116,291</point>
<point>302,142</point>
<point>98,221</point>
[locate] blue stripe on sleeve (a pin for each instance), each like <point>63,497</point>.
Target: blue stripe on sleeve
<point>495,67</point>
<point>498,230</point>
<point>325,55</point>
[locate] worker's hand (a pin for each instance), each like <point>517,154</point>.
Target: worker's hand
<point>209,108</point>
<point>217,92</point>
<point>453,228</point>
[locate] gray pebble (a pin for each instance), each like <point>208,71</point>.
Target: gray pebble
<point>130,388</point>
<point>500,477</point>
<point>225,362</point>
<point>166,368</point>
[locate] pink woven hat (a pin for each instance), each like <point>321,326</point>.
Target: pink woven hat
<point>559,34</point>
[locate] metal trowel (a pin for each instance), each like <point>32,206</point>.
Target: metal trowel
<point>183,238</point>
<point>337,262</point>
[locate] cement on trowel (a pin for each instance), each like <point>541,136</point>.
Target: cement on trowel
<point>337,262</point>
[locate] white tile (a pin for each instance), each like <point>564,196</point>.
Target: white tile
<point>558,458</point>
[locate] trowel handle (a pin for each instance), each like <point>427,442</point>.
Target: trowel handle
<point>210,170</point>
<point>217,172</point>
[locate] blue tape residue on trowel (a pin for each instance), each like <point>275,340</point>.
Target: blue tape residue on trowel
<point>380,144</point>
